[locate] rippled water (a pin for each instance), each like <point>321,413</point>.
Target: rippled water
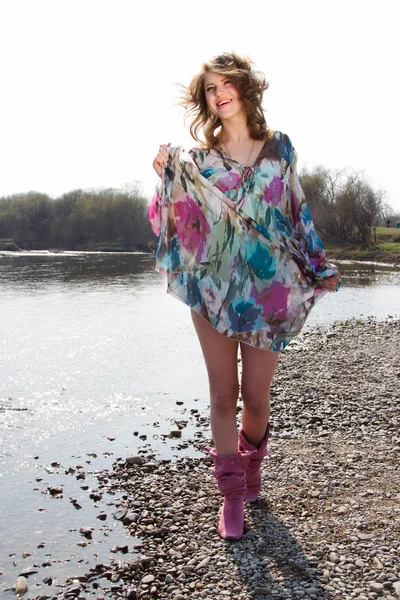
<point>93,355</point>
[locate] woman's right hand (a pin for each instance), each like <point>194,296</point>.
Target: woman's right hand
<point>161,159</point>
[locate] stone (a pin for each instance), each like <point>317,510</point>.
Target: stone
<point>376,587</point>
<point>148,579</point>
<point>130,517</point>
<point>175,433</point>
<point>55,490</point>
<point>28,571</point>
<point>21,585</point>
<point>204,563</point>
<point>72,592</point>
<point>334,558</point>
<point>359,563</point>
<point>120,513</point>
<point>86,531</point>
<point>135,460</point>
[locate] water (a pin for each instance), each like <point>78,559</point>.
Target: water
<point>93,355</point>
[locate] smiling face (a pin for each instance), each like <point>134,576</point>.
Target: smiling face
<point>222,97</point>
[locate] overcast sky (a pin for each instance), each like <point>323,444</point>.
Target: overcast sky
<point>88,87</point>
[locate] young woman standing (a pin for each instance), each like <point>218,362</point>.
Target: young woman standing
<point>238,245</point>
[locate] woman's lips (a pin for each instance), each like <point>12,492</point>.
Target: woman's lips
<point>225,103</point>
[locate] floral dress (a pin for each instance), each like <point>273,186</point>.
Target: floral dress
<point>238,244</point>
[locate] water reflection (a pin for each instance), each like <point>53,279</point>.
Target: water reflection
<point>33,269</point>
<point>363,274</point>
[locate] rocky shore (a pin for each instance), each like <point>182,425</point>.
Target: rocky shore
<point>327,524</point>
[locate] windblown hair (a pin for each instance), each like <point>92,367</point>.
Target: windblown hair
<point>250,84</point>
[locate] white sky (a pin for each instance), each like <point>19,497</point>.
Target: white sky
<point>88,86</point>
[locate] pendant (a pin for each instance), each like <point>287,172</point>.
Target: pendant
<point>247,176</point>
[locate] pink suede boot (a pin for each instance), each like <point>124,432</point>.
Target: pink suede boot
<point>229,472</point>
<point>253,470</point>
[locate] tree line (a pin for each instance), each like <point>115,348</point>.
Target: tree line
<point>76,220</point>
<point>346,209</point>
<point>344,206</point>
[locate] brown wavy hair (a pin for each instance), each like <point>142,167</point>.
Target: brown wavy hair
<point>250,84</point>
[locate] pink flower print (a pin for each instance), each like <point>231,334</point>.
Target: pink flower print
<point>192,226</point>
<point>228,182</point>
<point>274,300</point>
<point>273,192</point>
<point>154,212</point>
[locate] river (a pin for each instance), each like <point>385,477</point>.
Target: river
<point>97,361</point>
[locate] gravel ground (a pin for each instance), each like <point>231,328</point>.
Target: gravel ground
<point>327,524</point>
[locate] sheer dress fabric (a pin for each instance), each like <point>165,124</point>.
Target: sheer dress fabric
<point>238,244</point>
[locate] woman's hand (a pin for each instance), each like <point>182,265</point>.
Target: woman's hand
<point>330,282</point>
<point>161,159</point>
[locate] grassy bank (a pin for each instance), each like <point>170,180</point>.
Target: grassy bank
<point>386,249</point>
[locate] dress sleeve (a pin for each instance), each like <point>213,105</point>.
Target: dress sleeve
<point>304,229</point>
<point>154,210</point>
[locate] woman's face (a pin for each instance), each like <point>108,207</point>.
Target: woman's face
<point>222,97</point>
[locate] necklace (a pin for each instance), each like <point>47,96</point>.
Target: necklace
<point>247,159</point>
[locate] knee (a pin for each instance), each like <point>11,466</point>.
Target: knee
<point>255,399</point>
<point>224,400</point>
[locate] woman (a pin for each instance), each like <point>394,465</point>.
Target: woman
<point>238,246</point>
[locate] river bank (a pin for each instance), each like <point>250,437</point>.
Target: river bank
<point>367,255</point>
<point>385,250</point>
<point>327,524</point>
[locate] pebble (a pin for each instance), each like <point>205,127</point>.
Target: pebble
<point>334,558</point>
<point>204,563</point>
<point>175,433</point>
<point>21,585</point>
<point>135,460</point>
<point>86,531</point>
<point>120,513</point>
<point>376,587</point>
<point>360,563</point>
<point>55,490</point>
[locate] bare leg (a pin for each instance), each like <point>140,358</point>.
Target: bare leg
<point>258,367</point>
<point>220,355</point>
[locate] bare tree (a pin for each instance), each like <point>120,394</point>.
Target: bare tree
<point>344,205</point>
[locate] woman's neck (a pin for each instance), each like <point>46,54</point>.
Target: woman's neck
<point>235,132</point>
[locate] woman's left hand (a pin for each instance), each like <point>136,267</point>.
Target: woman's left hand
<point>330,283</point>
